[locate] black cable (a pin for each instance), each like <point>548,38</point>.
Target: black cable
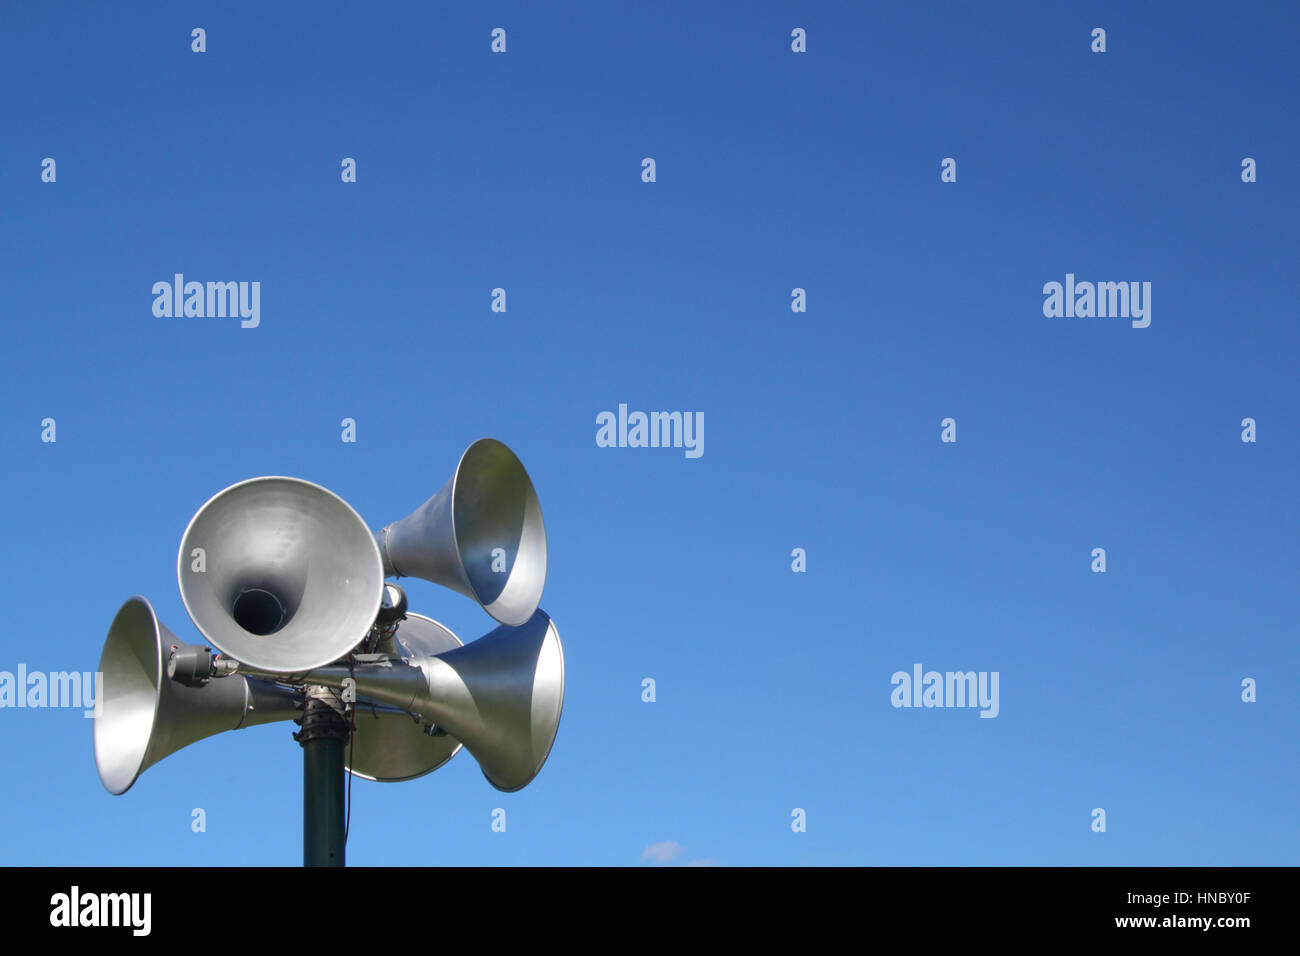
<point>352,736</point>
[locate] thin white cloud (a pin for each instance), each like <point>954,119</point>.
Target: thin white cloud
<point>664,852</point>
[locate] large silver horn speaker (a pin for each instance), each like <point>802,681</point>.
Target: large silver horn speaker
<point>501,696</point>
<point>280,574</point>
<point>481,535</point>
<point>146,715</point>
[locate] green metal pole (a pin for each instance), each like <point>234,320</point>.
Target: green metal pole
<point>323,736</point>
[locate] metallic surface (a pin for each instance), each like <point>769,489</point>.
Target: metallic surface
<point>489,503</point>
<point>147,716</point>
<point>292,576</point>
<point>389,747</point>
<point>501,696</point>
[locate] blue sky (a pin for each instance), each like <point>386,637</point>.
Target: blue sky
<point>774,170</point>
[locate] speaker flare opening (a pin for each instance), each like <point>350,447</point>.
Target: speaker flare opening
<point>259,611</point>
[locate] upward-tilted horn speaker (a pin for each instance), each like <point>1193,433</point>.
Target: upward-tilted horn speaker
<point>281,574</point>
<point>481,535</point>
<point>146,715</point>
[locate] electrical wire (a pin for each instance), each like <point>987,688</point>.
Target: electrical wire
<point>352,736</point>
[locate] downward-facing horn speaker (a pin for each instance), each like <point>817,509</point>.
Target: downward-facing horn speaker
<point>392,747</point>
